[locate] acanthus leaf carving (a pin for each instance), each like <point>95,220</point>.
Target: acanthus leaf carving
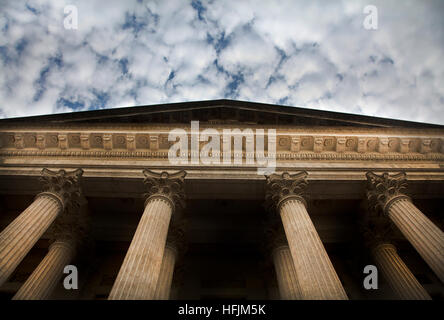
<point>383,189</point>
<point>64,185</point>
<point>166,185</point>
<point>284,186</point>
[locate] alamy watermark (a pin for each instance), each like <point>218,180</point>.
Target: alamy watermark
<point>371,20</point>
<point>211,153</point>
<point>71,281</point>
<point>71,21</point>
<point>371,280</point>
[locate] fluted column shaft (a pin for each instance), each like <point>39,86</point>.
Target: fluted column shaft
<point>45,277</point>
<point>139,273</point>
<point>397,274</point>
<point>422,233</point>
<point>286,274</point>
<point>316,275</point>
<point>163,287</point>
<point>21,235</point>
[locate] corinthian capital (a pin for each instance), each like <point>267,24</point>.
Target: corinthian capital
<point>166,185</point>
<point>63,185</point>
<point>383,189</point>
<point>284,187</point>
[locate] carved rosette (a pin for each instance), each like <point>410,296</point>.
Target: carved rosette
<point>383,190</point>
<point>169,186</point>
<point>284,187</point>
<point>63,186</point>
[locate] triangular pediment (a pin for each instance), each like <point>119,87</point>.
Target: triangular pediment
<point>220,112</point>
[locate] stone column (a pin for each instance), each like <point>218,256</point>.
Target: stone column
<point>174,250</point>
<point>138,276</point>
<point>286,276</point>
<point>397,274</point>
<point>386,193</point>
<point>163,287</point>
<point>60,188</point>
<point>45,277</point>
<point>67,233</point>
<point>315,273</point>
<point>286,273</point>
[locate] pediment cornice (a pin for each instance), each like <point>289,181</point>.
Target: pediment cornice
<point>217,112</point>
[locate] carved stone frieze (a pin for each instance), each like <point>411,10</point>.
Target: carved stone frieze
<point>133,144</point>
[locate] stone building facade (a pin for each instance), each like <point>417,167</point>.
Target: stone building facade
<point>97,190</point>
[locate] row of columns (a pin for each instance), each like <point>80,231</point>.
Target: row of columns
<point>313,270</point>
<point>303,268</point>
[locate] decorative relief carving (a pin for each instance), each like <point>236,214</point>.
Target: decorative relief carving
<point>40,141</point>
<point>383,146</point>
<point>63,141</point>
<point>18,141</point>
<point>329,144</point>
<point>371,145</point>
<point>131,141</point>
<point>340,144</point>
<point>64,185</point>
<point>306,143</point>
<point>74,140</point>
<point>142,141</point>
<point>318,144</point>
<point>96,141</point>
<point>350,144</point>
<point>107,141</point>
<point>84,141</point>
<point>404,145</point>
<point>51,140</point>
<point>414,145</point>
<point>282,187</point>
<point>119,141</point>
<point>426,146</point>
<point>30,140</point>
<point>295,144</point>
<point>154,142</point>
<point>166,185</point>
<point>284,143</point>
<point>393,145</point>
<point>362,146</point>
<point>383,189</point>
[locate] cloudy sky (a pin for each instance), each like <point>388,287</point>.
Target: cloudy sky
<point>315,54</point>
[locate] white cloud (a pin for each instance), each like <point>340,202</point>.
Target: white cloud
<point>304,53</point>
